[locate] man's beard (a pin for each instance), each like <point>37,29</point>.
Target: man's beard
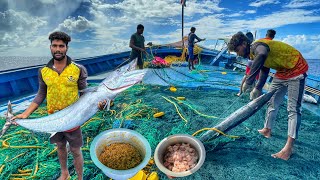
<point>247,52</point>
<point>60,58</point>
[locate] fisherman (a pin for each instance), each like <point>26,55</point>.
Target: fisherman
<point>290,77</point>
<point>270,34</point>
<point>191,41</point>
<point>59,82</point>
<point>137,45</point>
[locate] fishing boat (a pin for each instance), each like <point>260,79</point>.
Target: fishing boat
<point>217,74</point>
<point>19,82</point>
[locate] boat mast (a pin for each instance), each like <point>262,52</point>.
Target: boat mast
<point>182,5</point>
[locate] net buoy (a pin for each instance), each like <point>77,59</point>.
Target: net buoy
<point>159,114</point>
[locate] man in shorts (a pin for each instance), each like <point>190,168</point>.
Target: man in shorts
<point>137,45</point>
<point>60,92</point>
<point>191,42</point>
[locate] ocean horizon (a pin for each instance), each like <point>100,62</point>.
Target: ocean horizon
<point>13,62</point>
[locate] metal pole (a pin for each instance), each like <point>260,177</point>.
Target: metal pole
<point>182,26</point>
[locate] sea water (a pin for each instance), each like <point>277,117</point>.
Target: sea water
<point>13,62</point>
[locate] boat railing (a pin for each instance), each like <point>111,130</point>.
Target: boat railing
<point>308,89</point>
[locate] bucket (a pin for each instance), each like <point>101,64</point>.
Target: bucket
<point>120,135</point>
<point>172,140</point>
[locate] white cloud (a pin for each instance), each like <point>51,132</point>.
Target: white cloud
<point>209,26</point>
<point>109,21</point>
<point>277,19</point>
<point>308,45</point>
<point>235,15</point>
<point>120,46</point>
<point>241,13</point>
<point>108,25</point>
<point>48,1</point>
<point>18,28</point>
<point>52,10</point>
<point>250,11</point>
<point>132,12</point>
<point>302,3</point>
<point>76,25</point>
<point>127,11</point>
<point>260,3</point>
<point>25,25</point>
<point>89,51</point>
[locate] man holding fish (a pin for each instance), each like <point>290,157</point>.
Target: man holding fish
<point>59,83</point>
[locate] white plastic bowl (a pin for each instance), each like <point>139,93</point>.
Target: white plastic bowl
<point>174,139</point>
<point>120,135</point>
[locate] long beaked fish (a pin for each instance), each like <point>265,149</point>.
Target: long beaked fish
<point>87,105</point>
<point>237,117</point>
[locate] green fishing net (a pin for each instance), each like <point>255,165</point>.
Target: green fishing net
<point>28,155</point>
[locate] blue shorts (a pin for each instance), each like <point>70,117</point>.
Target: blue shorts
<point>190,52</point>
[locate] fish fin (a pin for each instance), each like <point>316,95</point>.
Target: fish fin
<point>52,134</point>
<point>107,105</point>
<point>6,126</point>
<point>91,89</point>
<point>8,123</point>
<point>9,113</point>
<point>9,107</point>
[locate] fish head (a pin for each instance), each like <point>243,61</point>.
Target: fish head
<point>129,66</point>
<point>117,84</point>
<point>126,66</point>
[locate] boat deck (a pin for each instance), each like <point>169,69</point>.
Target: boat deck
<point>210,97</point>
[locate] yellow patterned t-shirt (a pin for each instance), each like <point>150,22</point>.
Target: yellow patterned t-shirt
<point>62,89</point>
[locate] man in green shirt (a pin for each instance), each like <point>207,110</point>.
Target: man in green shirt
<point>137,45</point>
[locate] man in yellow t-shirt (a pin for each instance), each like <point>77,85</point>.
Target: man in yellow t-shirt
<point>59,82</point>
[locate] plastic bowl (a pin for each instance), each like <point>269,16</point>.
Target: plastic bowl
<point>120,135</point>
<point>174,139</point>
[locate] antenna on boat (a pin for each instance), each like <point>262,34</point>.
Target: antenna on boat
<point>255,35</point>
<point>183,4</point>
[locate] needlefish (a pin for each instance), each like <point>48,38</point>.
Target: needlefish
<point>238,116</point>
<point>87,105</point>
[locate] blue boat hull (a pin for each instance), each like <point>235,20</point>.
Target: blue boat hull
<point>19,82</point>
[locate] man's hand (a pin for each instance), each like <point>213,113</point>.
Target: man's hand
<point>143,50</point>
<point>19,116</point>
<point>103,104</point>
<point>247,87</point>
<point>203,39</point>
<point>255,93</point>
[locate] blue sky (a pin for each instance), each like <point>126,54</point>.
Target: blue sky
<point>100,27</point>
